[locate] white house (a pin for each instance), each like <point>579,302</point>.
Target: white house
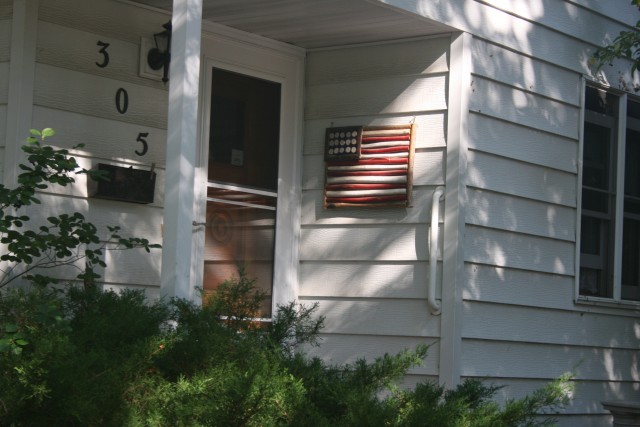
<point>530,159</point>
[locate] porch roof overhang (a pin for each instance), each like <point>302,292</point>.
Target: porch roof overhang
<point>312,24</point>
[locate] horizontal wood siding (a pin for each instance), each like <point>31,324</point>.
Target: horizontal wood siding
<point>520,324</point>
<point>6,9</point>
<point>367,268</point>
<point>563,32</point>
<point>79,98</point>
<point>4,83</point>
<point>5,38</point>
<point>5,56</point>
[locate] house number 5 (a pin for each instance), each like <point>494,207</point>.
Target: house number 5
<point>142,139</point>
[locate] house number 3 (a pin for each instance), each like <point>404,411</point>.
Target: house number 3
<point>105,54</point>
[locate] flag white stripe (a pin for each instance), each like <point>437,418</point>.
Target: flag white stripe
<point>399,155</point>
<point>386,132</point>
<point>368,167</point>
<point>367,179</point>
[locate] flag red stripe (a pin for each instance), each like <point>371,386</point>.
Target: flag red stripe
<point>368,173</point>
<point>366,139</point>
<point>363,186</point>
<point>367,199</point>
<point>380,161</point>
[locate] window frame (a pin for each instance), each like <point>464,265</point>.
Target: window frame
<point>620,128</point>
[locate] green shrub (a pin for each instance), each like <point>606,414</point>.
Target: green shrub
<point>92,358</point>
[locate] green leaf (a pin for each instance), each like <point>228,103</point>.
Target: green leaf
<point>10,328</point>
<point>47,132</point>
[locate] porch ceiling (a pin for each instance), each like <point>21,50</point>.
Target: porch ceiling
<point>315,23</point>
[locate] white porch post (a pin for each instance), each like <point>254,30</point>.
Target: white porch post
<point>176,277</point>
<point>21,82</point>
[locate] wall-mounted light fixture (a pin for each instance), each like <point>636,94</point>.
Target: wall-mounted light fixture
<point>160,55</point>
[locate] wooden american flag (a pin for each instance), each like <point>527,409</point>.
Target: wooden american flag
<point>369,166</point>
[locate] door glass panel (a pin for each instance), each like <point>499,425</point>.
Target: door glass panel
<point>242,181</point>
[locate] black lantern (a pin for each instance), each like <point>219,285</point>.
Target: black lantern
<point>160,56</point>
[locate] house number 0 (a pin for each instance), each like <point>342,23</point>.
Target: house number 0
<point>122,101</point>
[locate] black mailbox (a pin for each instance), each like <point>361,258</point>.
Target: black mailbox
<point>123,184</point>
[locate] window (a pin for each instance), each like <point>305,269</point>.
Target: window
<point>610,210</point>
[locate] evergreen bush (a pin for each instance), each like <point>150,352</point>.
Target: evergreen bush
<point>106,359</point>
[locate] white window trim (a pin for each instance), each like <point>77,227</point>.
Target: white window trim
<point>616,300</point>
<point>228,49</point>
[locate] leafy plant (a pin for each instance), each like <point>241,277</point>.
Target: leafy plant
<point>624,45</point>
<point>66,239</point>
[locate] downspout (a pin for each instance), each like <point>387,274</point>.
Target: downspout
<point>438,195</point>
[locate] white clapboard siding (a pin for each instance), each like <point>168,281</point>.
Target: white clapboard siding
<point>133,219</point>
<point>314,213</point>
<point>365,279</point>
<point>429,130</point>
<point>585,401</point>
<point>102,138</point>
<point>527,324</point>
<point>78,50</point>
<point>93,95</point>
<point>3,123</point>
<point>619,12</point>
<point>5,39</point>
<point>518,106</point>
<point>572,420</point>
<point>507,249</point>
<point>425,56</point>
<point>366,243</point>
<point>564,17</point>
<point>519,287</point>
<point>4,83</point>
<point>6,9</point>
<point>496,210</point>
<point>133,266</point>
<point>526,360</point>
<point>521,179</point>
<point>494,62</point>
<point>115,19</point>
<point>515,33</point>
<point>529,145</point>
<point>377,96</point>
<point>342,349</point>
<point>125,268</point>
<point>2,156</point>
<point>428,169</point>
<point>384,317</point>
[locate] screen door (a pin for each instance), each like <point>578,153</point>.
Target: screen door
<point>244,135</point>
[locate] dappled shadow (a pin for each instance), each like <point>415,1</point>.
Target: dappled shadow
<point>520,323</point>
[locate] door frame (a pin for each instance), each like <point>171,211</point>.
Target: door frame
<point>255,56</point>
